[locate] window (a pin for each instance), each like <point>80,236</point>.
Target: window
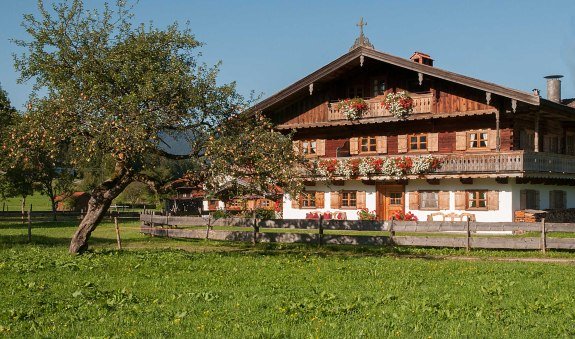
<point>213,205</point>
<point>355,92</point>
<point>570,144</point>
<point>309,147</point>
<point>477,139</point>
<point>367,145</point>
<point>429,200</point>
<point>527,140</point>
<point>378,87</point>
<point>264,203</point>
<point>551,144</point>
<point>557,199</point>
<point>529,199</point>
<point>349,199</point>
<point>235,204</point>
<point>395,198</point>
<point>477,199</point>
<point>418,142</point>
<point>307,199</point>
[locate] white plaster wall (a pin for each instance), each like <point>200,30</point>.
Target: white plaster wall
<point>505,212</point>
<point>509,198</point>
<point>543,194</point>
<point>352,185</point>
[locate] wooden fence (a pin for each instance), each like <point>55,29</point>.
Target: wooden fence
<point>44,216</point>
<point>466,234</point>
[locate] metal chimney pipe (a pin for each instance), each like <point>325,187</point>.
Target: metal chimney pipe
<point>554,88</point>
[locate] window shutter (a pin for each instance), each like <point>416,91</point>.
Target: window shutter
<point>493,200</point>
<point>402,143</point>
<point>443,200</point>
<point>537,206</point>
<point>564,199</point>
<point>492,139</point>
<point>546,143</point>
<point>414,200</point>
<point>353,146</point>
<point>319,200</point>
<point>460,141</point>
<point>381,144</point>
<point>523,200</point>
<point>297,147</point>
<point>460,201</point>
<point>295,202</point>
<point>335,201</point>
<point>433,145</point>
<point>552,202</point>
<point>360,195</point>
<point>320,147</point>
<point>523,140</point>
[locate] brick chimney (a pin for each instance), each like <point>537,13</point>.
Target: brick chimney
<point>421,58</point>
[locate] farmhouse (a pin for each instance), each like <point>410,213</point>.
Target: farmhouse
<point>400,136</point>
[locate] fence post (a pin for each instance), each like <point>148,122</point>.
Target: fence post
<point>320,228</point>
<point>468,244</point>
<point>208,227</point>
<point>391,230</point>
<point>256,229</point>
<point>23,208</point>
<point>118,239</point>
<point>543,236</point>
<point>30,224</point>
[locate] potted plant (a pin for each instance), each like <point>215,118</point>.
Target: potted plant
<point>352,109</point>
<point>400,104</point>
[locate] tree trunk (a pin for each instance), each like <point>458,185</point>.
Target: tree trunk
<point>98,205</point>
<point>54,205</point>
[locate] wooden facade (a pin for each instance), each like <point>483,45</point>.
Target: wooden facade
<point>476,129</point>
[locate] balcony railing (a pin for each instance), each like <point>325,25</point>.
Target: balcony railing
<point>519,162</point>
<point>421,104</point>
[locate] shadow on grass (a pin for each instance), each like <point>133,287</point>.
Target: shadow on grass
<point>47,224</point>
<point>16,240</point>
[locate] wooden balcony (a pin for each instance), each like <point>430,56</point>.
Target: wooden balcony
<point>514,163</point>
<point>509,162</point>
<point>421,104</point>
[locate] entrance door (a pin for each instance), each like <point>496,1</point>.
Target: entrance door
<point>390,199</point>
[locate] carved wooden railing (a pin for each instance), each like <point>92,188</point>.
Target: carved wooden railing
<point>503,162</point>
<point>482,163</point>
<point>421,104</point>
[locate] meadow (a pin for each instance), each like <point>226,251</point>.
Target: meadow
<point>159,287</point>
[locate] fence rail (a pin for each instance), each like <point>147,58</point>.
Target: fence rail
<point>495,235</point>
<point>41,216</point>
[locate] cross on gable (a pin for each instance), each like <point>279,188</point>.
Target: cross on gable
<point>360,24</point>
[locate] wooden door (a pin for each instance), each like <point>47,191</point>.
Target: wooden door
<point>390,199</point>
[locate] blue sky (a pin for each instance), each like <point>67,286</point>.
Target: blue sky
<point>267,45</point>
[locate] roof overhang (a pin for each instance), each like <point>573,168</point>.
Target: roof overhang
<point>358,55</point>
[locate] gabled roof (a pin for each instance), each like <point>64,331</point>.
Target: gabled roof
<point>356,54</point>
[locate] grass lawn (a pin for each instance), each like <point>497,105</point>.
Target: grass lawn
<point>39,203</point>
<point>184,288</point>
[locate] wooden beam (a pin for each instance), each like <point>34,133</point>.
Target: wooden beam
<point>536,129</point>
<point>338,182</point>
<point>497,131</point>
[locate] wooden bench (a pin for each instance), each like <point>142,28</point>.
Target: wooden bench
<point>451,216</point>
